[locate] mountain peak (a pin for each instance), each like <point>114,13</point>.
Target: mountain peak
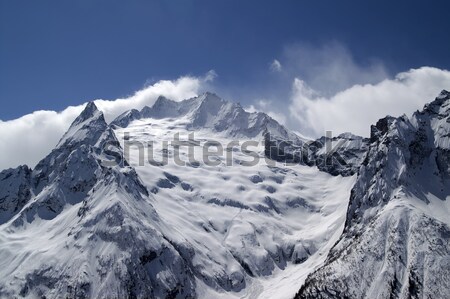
<point>90,110</point>
<point>444,94</point>
<point>380,128</point>
<point>210,97</point>
<point>162,101</point>
<point>89,124</point>
<point>163,107</point>
<point>162,98</point>
<point>125,118</point>
<point>438,103</point>
<point>90,106</point>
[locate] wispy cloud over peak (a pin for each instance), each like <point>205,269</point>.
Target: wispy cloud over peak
<point>275,66</point>
<point>210,76</point>
<point>331,67</point>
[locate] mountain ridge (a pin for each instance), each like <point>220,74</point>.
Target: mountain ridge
<point>210,111</point>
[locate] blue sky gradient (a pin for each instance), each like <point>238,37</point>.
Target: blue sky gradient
<point>59,53</point>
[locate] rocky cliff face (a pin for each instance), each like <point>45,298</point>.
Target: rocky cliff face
<point>341,155</point>
<point>15,191</point>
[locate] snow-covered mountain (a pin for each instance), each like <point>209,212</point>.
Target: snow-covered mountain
<point>134,209</point>
<point>77,228</point>
<point>396,240</point>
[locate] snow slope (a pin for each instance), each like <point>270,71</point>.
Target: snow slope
<point>244,224</point>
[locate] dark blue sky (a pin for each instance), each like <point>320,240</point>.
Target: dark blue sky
<point>59,53</point>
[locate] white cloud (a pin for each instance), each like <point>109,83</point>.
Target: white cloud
<point>264,103</point>
<point>251,109</point>
<point>330,68</point>
<point>29,138</point>
<point>275,66</point>
<point>210,76</point>
<point>354,109</point>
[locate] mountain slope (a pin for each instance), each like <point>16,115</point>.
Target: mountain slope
<point>396,241</point>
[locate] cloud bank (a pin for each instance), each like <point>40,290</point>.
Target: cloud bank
<point>30,138</point>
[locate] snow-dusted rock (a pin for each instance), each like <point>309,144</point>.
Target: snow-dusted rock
<point>341,155</point>
<point>15,191</point>
<point>125,118</point>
